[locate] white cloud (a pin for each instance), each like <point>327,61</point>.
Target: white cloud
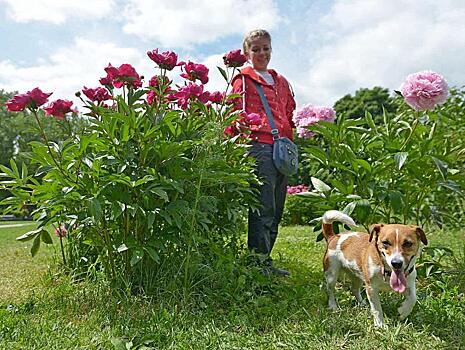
<point>70,68</point>
<point>367,43</point>
<point>56,11</point>
<point>179,23</point>
<point>82,63</point>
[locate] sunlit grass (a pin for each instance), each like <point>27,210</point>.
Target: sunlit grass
<point>240,311</point>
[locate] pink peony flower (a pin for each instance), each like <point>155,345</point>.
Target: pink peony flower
<point>59,108</point>
<point>234,58</point>
<point>217,97</point>
<point>253,119</point>
<point>424,90</point>
<point>165,60</point>
<point>61,231</point>
<point>107,81</point>
<point>98,94</point>
<point>309,115</point>
<point>123,75</point>
<point>194,71</point>
<point>189,92</point>
<point>31,99</point>
<point>296,189</point>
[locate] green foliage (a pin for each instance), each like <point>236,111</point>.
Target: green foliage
<point>409,168</point>
<point>297,211</point>
<point>141,186</point>
<point>375,101</point>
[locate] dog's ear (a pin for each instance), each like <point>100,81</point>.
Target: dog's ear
<point>375,229</point>
<point>421,234</point>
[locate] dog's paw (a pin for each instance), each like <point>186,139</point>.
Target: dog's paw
<point>404,311</point>
<point>380,324</point>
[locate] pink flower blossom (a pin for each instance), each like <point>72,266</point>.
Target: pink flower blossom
<point>194,71</point>
<point>234,58</point>
<point>107,81</point>
<point>296,189</point>
<point>253,119</point>
<point>59,108</point>
<point>217,97</point>
<point>424,90</point>
<point>123,75</point>
<point>189,92</point>
<point>31,99</point>
<point>61,231</point>
<point>98,94</point>
<point>165,60</point>
<point>309,115</point>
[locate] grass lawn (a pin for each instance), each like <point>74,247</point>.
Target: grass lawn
<point>41,310</point>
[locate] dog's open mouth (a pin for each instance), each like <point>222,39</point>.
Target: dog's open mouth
<point>398,281</point>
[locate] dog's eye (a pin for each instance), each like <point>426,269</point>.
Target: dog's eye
<point>386,244</point>
<point>407,244</point>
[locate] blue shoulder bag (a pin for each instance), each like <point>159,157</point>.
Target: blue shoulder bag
<point>285,153</point>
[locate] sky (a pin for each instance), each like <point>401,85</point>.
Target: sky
<point>325,48</point>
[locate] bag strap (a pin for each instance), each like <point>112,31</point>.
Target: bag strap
<point>274,130</point>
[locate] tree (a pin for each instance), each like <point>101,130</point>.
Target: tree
<point>371,100</point>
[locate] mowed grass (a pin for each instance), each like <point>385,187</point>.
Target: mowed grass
<point>39,310</point>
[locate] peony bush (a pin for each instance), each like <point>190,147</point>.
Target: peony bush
<point>151,182</point>
<point>405,169</point>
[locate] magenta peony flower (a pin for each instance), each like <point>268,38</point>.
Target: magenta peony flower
<point>253,119</point>
<point>59,108</point>
<point>61,231</point>
<point>297,189</point>
<point>194,71</point>
<point>107,81</point>
<point>309,115</point>
<point>217,97</point>
<point>234,58</point>
<point>165,60</point>
<point>188,92</point>
<point>31,99</point>
<point>424,90</point>
<point>98,94</point>
<point>123,75</point>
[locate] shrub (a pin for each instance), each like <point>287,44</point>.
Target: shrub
<point>150,181</point>
<point>406,169</point>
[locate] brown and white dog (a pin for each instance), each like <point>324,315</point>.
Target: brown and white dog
<point>382,260</point>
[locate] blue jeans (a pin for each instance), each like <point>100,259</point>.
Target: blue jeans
<point>263,225</point>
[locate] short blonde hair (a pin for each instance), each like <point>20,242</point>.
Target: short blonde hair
<point>254,34</point>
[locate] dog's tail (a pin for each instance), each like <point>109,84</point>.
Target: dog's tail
<point>331,216</point>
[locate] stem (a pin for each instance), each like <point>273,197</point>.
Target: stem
<point>62,251</point>
<point>415,124</point>
<point>44,136</point>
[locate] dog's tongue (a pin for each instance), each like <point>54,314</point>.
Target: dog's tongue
<point>398,282</point>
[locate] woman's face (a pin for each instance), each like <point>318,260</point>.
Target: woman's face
<point>259,53</point>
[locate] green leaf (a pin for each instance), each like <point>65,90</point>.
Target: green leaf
<point>317,153</point>
<point>29,235</point>
<point>223,73</point>
<point>442,167</point>
<point>46,237</point>
<point>150,218</point>
<point>320,186</point>
<point>396,201</point>
<point>35,246</point>
<point>160,193</point>
<point>400,159</point>
<point>152,254</point>
<point>137,255</point>
<point>95,209</point>
<point>362,210</point>
<point>370,121</point>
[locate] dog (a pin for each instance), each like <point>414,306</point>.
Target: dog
<point>381,260</point>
